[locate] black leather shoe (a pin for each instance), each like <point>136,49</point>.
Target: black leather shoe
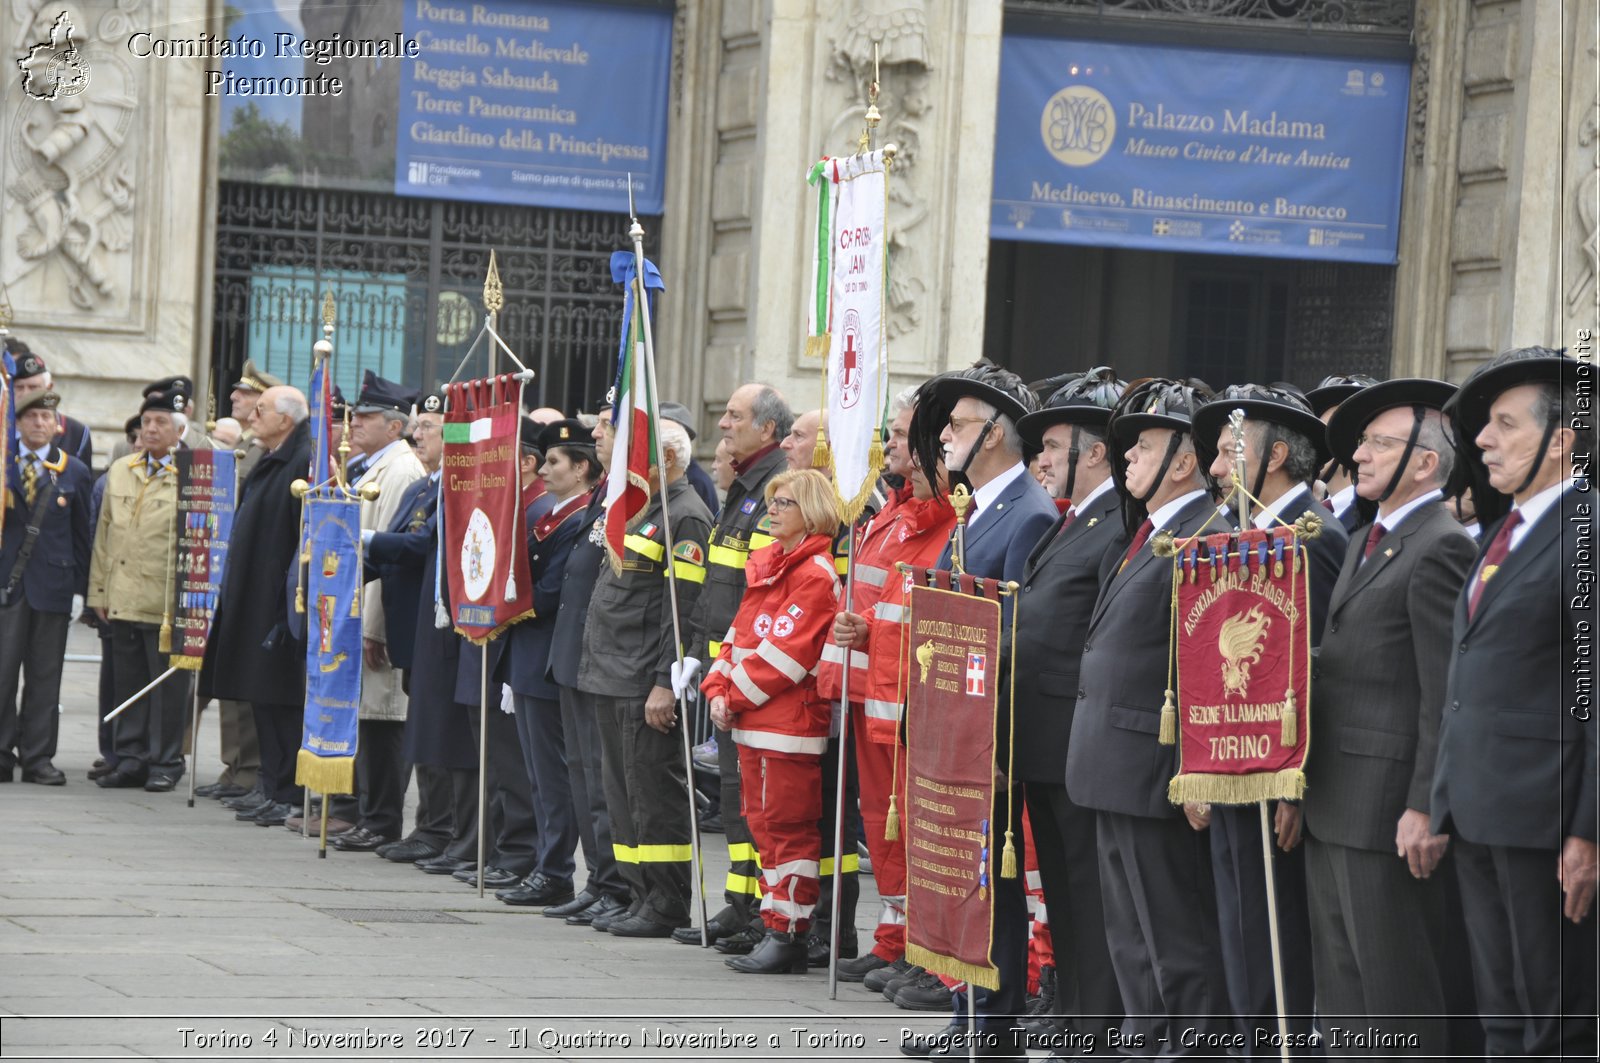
<point>857,969</point>
<point>46,774</point>
<point>160,784</point>
<point>640,926</point>
<point>740,942</point>
<point>248,799</point>
<point>122,780</point>
<point>926,1044</point>
<point>7,773</point>
<point>274,814</point>
<point>359,840</point>
<point>926,993</point>
<point>817,945</point>
<point>225,791</point>
<point>408,852</point>
<point>881,981</point>
<point>100,770</point>
<point>442,864</point>
<point>538,890</point>
<point>778,953</point>
<point>603,908</point>
<point>572,907</point>
<point>494,878</point>
<point>602,920</point>
<point>718,926</point>
<point>249,812</point>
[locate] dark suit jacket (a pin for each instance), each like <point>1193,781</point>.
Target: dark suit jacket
<point>59,565</point>
<point>1326,554</point>
<point>529,656</point>
<point>578,578</point>
<point>1059,586</point>
<point>1515,766</point>
<point>1114,762</point>
<point>402,582</point>
<point>1378,683</point>
<point>1000,539</point>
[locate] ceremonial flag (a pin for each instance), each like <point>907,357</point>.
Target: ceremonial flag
<point>850,270</point>
<point>207,494</point>
<point>1242,650</point>
<point>954,648</point>
<point>481,505</point>
<point>327,758</point>
<point>321,392</point>
<point>632,405</point>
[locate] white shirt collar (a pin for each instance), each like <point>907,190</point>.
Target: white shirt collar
<point>1397,517</point>
<point>1163,516</point>
<point>1100,489</point>
<point>43,453</point>
<point>1268,516</point>
<point>1343,500</point>
<point>564,503</point>
<point>985,496</point>
<point>1536,507</point>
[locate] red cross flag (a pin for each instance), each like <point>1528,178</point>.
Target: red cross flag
<point>975,663</point>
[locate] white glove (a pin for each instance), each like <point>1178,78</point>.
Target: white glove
<point>683,673</point>
<point>77,607</point>
<point>366,536</point>
<point>508,700</point>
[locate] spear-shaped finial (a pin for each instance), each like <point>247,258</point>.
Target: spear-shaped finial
<point>635,230</point>
<point>330,312</point>
<point>494,297</point>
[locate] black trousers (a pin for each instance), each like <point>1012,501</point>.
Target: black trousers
<point>434,812</point>
<point>582,731</point>
<point>647,794</point>
<point>1161,929</point>
<point>149,735</point>
<point>463,841</point>
<point>1240,877</point>
<point>513,841</point>
<point>278,729</point>
<point>1064,846</point>
<point>108,697</point>
<point>1533,968</point>
<point>382,776</point>
<point>544,758</point>
<point>33,645</point>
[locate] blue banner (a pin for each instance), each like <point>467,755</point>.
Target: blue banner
<point>333,641</point>
<point>208,490</point>
<point>1187,149</point>
<point>548,104</point>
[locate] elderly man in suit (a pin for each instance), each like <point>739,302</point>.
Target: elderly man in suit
<point>44,566</point>
<point>1285,446</point>
<point>1155,872</point>
<point>1325,399</point>
<point>973,413</point>
<point>1377,873</point>
<point>1515,782</point>
<point>1059,585</point>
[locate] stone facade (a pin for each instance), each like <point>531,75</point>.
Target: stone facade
<point>104,248</point>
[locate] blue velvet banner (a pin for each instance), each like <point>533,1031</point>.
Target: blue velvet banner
<point>333,641</point>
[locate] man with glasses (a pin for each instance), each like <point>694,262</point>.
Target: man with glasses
<point>1377,874</point>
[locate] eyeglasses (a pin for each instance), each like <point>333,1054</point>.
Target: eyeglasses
<point>425,428</point>
<point>957,423</point>
<point>778,504</point>
<point>1383,444</point>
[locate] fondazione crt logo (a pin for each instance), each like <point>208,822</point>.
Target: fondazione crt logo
<point>1078,125</point>
<point>54,69</point>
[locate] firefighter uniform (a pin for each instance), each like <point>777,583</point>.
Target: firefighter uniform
<point>739,530</point>
<point>766,670</point>
<point>628,649</point>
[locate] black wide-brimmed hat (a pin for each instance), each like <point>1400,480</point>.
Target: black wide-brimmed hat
<point>379,395</point>
<point>568,432</point>
<point>1077,398</point>
<point>1155,402</point>
<point>1336,389</point>
<point>1469,408</point>
<point>1350,420</point>
<point>1273,404</point>
<point>986,382</point>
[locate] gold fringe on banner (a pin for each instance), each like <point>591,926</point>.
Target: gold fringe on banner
<point>186,664</point>
<point>985,977</point>
<point>325,775</point>
<point>1286,785</point>
<point>484,640</point>
<point>818,346</point>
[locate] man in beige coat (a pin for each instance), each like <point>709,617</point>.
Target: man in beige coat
<point>376,429</point>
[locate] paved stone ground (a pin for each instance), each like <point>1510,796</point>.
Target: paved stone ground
<point>126,917</point>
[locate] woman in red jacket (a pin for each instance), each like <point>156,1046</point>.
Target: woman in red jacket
<point>763,688</point>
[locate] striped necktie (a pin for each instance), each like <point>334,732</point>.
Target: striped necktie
<point>30,477</point>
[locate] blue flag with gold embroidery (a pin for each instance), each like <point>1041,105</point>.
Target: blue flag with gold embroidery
<point>333,641</point>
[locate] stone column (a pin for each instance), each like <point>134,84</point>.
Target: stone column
<point>102,225</point>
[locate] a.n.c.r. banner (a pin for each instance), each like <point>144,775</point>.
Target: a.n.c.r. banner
<point>1189,149</point>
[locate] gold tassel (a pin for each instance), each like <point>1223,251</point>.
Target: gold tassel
<point>1169,721</point>
<point>300,599</point>
<point>164,639</point>
<point>875,453</point>
<point>355,606</point>
<point>821,454</point>
<point>818,346</point>
<point>1290,733</point>
<point>1008,859</point>
<point>891,822</point>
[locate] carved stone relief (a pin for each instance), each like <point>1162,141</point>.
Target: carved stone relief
<point>1583,265</point>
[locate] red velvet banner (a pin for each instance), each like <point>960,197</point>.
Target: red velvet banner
<point>954,660</point>
<point>1242,626</point>
<point>482,547</point>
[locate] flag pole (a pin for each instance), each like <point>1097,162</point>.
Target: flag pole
<point>493,300</point>
<point>194,743</point>
<point>642,307</point>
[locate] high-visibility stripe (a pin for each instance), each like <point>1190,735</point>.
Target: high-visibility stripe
<point>852,864</point>
<point>841,565</point>
<point>780,660</point>
<point>688,570</point>
<point>748,688</point>
<point>802,868</point>
<point>889,915</point>
<point>883,710</point>
<point>760,539</point>
<point>791,910</point>
<point>871,575</point>
<point>645,547</point>
<point>652,854</point>
<point>780,743</point>
<point>743,851</point>
<point>739,653</point>
<point>890,612</point>
<point>833,653</point>
<point>720,667</point>
<point>727,556</point>
<point>1032,881</point>
<point>745,884</point>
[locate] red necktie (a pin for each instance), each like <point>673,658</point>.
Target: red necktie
<point>1066,521</point>
<point>1327,504</point>
<point>1139,539</point>
<point>1492,559</point>
<point>1376,532</point>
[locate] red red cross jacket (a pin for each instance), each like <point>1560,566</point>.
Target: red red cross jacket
<point>767,667</point>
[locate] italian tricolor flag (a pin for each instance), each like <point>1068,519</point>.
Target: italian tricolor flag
<point>628,482</point>
<point>500,424</point>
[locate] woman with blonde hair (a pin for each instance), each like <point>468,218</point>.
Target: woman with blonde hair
<point>763,688</point>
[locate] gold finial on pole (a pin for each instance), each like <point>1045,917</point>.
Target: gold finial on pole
<point>329,312</point>
<point>873,116</point>
<point>211,406</point>
<point>1241,500</point>
<point>494,297</point>
<point>960,501</point>
<point>343,468</point>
